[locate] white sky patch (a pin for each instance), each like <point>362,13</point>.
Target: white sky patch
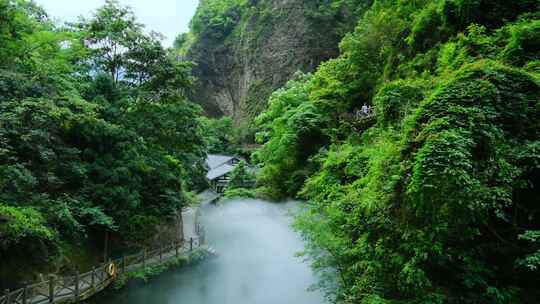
<point>168,17</point>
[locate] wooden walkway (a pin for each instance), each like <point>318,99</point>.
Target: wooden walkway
<point>358,120</point>
<point>208,196</point>
<point>80,287</point>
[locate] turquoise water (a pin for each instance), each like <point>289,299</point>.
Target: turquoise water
<point>256,262</point>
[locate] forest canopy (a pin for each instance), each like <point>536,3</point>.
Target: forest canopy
<point>416,150</point>
<point>436,199</point>
<point>97,136</point>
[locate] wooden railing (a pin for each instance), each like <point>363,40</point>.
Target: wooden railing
<point>360,120</point>
<point>359,115</point>
<point>79,287</point>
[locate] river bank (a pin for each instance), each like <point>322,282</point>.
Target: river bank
<point>62,288</point>
<point>256,262</point>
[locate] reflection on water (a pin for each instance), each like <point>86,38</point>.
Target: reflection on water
<point>255,262</point>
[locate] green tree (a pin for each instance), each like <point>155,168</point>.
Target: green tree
<point>433,202</point>
<point>110,35</point>
<point>240,177</point>
<point>218,134</point>
<point>89,151</point>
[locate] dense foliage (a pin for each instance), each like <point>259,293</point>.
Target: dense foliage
<point>241,176</point>
<point>241,183</point>
<point>436,200</point>
<point>96,136</point>
<point>218,134</point>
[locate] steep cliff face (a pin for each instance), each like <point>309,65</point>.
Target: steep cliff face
<point>244,50</point>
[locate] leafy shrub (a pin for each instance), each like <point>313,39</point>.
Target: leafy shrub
<point>395,100</point>
<point>427,29</point>
<point>472,129</point>
<point>218,134</point>
<point>19,223</point>
<point>241,177</point>
<point>239,193</point>
<point>295,131</point>
<point>524,42</point>
<point>216,19</point>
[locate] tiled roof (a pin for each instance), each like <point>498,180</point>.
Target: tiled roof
<point>215,160</point>
<point>219,171</point>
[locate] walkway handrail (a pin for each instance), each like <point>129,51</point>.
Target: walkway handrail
<point>359,115</point>
<point>82,286</point>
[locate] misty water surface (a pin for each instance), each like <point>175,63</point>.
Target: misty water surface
<point>256,262</point>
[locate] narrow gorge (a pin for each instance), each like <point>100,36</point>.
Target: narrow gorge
<point>339,151</point>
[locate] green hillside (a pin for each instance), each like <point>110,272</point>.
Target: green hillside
<point>435,201</point>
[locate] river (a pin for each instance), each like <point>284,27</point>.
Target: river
<point>256,262</point>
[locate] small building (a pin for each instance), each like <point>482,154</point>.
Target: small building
<point>220,167</point>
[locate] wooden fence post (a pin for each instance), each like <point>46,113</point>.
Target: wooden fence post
<point>25,293</point>
<point>51,289</point>
<point>76,296</point>
<point>8,298</point>
<point>160,251</point>
<point>93,278</point>
<point>190,244</point>
<point>144,258</point>
<point>107,269</point>
<point>176,248</point>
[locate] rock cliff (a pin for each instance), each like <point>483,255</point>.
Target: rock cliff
<point>244,50</point>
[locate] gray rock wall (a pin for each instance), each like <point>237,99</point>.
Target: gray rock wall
<point>272,40</point>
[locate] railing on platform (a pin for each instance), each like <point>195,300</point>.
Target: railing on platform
<point>82,286</point>
<point>361,115</point>
<point>360,120</point>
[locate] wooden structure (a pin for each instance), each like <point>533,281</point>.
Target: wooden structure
<point>208,196</point>
<point>220,167</point>
<point>360,121</point>
<point>79,287</point>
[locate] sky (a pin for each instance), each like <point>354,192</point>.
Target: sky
<point>169,17</point>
